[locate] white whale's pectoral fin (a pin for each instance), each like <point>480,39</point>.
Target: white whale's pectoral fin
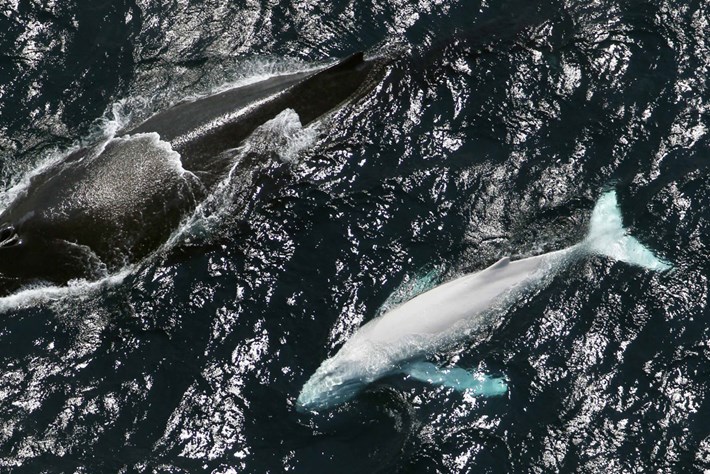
<point>457,378</point>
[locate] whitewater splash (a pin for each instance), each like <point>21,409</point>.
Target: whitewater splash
<point>284,135</point>
<point>283,138</point>
<point>40,294</point>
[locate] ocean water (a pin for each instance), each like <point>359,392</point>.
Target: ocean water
<point>496,127</point>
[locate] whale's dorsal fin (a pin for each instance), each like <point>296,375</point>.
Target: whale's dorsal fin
<point>350,62</point>
<point>500,263</point>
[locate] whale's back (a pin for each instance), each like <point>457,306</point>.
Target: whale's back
<point>190,119</point>
<point>459,303</point>
<point>114,205</point>
<point>110,205</point>
<point>202,130</point>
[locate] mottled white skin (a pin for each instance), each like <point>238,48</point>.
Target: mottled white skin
<point>441,309</point>
<point>449,312</point>
<point>426,323</point>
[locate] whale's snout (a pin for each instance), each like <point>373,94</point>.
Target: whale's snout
<point>322,394</point>
<point>30,255</point>
<point>331,385</point>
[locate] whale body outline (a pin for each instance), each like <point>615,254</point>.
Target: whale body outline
<point>109,205</point>
<point>401,340</point>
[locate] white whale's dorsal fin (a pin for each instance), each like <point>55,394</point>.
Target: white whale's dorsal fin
<point>500,263</point>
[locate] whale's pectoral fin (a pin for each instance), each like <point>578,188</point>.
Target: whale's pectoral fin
<point>457,378</point>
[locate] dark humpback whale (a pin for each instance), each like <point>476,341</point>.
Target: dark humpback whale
<point>113,203</point>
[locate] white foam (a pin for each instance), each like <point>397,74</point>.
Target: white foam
<point>116,117</point>
<point>283,135</point>
<point>171,157</point>
<point>256,70</point>
<point>38,294</point>
<point>21,181</point>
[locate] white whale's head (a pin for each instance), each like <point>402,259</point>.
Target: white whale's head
<point>343,376</point>
<point>368,355</point>
<point>336,381</point>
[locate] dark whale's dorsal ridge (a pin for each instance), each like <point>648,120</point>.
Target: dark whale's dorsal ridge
<point>201,130</point>
<point>111,204</point>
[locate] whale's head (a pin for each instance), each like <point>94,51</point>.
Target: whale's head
<point>15,259</point>
<point>336,381</point>
<point>29,256</point>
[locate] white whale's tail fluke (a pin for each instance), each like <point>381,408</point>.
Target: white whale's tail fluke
<point>607,236</point>
<point>457,378</point>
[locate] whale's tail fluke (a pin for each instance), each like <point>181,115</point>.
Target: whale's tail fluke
<point>457,378</point>
<point>607,236</point>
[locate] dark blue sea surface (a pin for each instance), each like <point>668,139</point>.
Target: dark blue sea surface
<point>496,127</point>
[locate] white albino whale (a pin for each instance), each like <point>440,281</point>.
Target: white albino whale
<point>432,321</point>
